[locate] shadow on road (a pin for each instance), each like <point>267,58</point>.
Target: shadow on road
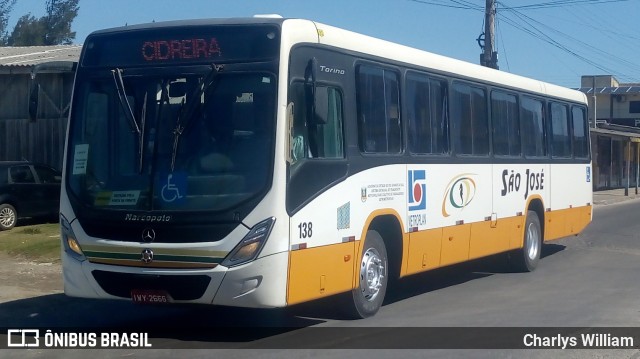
<point>214,327</point>
<point>225,327</point>
<point>422,283</point>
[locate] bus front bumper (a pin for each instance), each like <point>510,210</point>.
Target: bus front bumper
<point>261,283</point>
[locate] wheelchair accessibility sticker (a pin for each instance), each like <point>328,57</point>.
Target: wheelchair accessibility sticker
<point>172,187</point>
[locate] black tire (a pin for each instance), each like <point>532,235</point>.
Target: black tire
<point>526,259</point>
<point>8,217</point>
<point>373,277</point>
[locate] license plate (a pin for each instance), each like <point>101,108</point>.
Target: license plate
<point>149,296</point>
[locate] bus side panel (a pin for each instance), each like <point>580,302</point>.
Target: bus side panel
<point>555,223</point>
<point>565,222</point>
<point>424,250</point>
<point>491,237</point>
<point>455,244</point>
<point>582,219</point>
<point>320,271</point>
<point>570,200</point>
<point>462,210</point>
<point>328,233</point>
<point>514,187</point>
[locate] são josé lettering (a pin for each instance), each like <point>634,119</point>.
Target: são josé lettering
<point>512,181</point>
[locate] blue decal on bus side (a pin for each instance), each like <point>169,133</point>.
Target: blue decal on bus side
<point>417,190</point>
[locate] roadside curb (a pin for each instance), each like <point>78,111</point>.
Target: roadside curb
<point>604,198</point>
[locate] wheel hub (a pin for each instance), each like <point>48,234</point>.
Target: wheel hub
<point>533,241</point>
<point>372,274</point>
<point>7,217</point>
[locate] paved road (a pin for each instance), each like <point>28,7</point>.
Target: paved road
<point>585,281</point>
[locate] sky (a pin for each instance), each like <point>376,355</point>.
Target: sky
<point>556,41</point>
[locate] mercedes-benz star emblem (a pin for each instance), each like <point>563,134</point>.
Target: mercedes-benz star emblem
<point>147,255</point>
<point>148,235</point>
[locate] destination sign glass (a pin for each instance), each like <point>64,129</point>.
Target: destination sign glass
<point>182,45</point>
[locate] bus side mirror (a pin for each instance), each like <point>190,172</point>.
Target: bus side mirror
<point>34,94</point>
<point>290,140</point>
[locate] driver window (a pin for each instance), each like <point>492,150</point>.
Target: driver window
<point>320,134</point>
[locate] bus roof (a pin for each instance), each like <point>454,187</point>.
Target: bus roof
<point>346,39</point>
<point>193,22</point>
<point>356,42</point>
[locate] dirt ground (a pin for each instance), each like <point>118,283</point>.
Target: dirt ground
<point>21,278</point>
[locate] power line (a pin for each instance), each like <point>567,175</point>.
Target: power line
<point>504,48</point>
<point>454,5</point>
<point>542,36</point>
<point>594,56</point>
<point>534,31</point>
<point>562,3</point>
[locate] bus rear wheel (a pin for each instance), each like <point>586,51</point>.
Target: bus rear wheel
<point>526,259</point>
<point>373,277</point>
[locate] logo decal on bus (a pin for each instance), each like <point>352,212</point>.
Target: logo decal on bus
<point>172,187</point>
<point>417,180</point>
<point>460,192</point>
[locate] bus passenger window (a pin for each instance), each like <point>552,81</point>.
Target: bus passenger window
<point>560,140</point>
<point>427,114</point>
<point>534,133</point>
<point>379,120</point>
<point>469,123</point>
<point>580,137</point>
<point>505,124</point>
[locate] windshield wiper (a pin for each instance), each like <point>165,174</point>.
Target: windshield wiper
<point>128,112</point>
<point>186,113</point>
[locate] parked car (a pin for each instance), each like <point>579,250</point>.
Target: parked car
<point>28,190</point>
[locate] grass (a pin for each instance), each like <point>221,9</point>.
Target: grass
<point>37,242</point>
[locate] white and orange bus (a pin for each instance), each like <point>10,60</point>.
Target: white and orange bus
<point>265,162</point>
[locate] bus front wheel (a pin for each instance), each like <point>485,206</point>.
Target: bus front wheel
<point>373,277</point>
<point>526,259</point>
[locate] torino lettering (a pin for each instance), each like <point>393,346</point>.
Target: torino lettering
<point>180,49</point>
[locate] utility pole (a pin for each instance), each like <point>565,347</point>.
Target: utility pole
<point>489,58</point>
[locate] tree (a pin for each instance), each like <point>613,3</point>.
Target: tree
<point>27,32</point>
<point>60,15</point>
<point>5,8</point>
<point>52,29</point>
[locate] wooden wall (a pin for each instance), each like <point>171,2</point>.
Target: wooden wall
<point>42,140</point>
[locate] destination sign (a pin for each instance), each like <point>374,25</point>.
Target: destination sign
<point>161,50</point>
<point>182,44</point>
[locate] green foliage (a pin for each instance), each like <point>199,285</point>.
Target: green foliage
<point>28,32</point>
<point>5,9</point>
<point>60,15</point>
<point>54,28</point>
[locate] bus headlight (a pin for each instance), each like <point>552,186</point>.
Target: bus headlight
<point>69,241</point>
<point>250,246</point>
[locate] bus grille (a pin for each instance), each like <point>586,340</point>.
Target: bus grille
<point>179,287</point>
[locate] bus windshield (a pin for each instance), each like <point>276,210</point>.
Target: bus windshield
<point>196,139</point>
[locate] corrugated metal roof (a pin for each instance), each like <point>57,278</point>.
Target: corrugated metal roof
<point>34,55</point>
<point>619,131</point>
<point>619,90</point>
